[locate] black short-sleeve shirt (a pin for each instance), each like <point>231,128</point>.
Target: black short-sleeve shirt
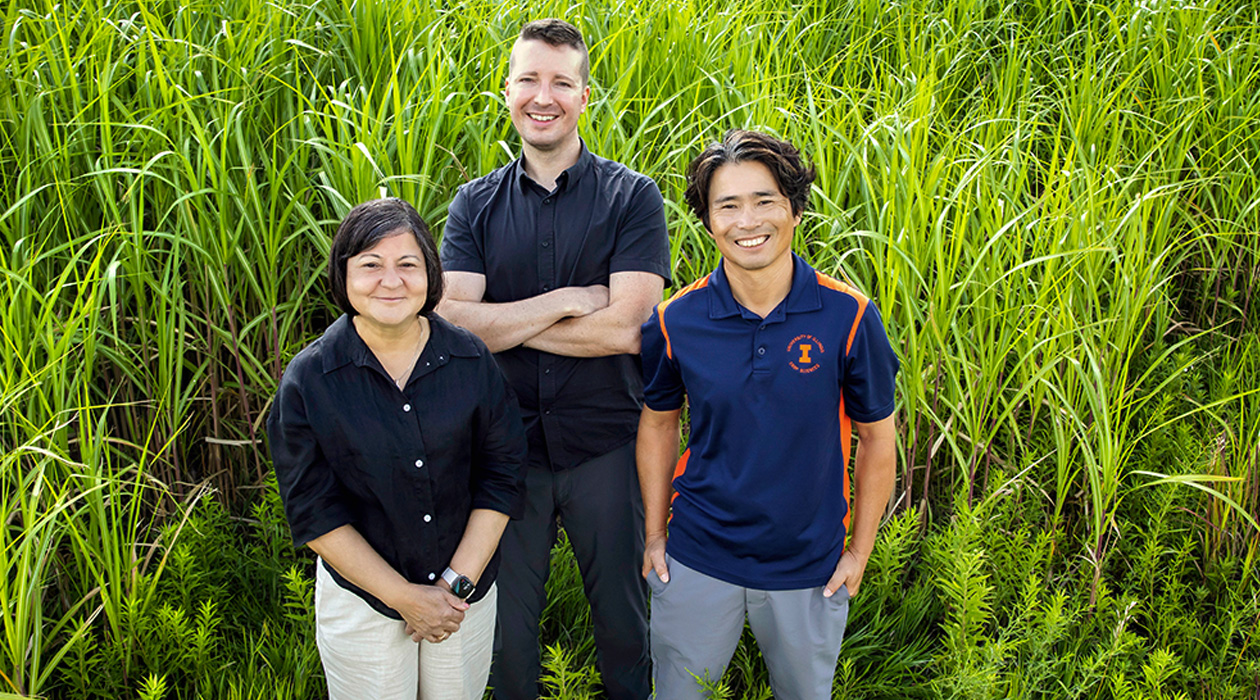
<point>601,218</point>
<point>405,467</point>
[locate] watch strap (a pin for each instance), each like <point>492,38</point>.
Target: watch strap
<point>461,585</point>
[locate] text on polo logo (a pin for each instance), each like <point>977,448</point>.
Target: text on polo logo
<point>803,353</point>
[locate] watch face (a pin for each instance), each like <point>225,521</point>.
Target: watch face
<point>463,587</point>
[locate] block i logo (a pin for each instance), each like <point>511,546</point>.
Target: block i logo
<point>804,352</point>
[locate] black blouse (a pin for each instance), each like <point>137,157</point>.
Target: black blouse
<point>404,467</point>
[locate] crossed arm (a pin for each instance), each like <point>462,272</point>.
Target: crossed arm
<point>874,472</point>
<point>589,321</point>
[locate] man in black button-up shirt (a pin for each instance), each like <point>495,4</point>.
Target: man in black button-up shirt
<point>555,260</point>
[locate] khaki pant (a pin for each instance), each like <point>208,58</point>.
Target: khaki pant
<point>368,655</point>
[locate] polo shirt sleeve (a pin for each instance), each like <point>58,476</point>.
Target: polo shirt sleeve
<point>499,452</point>
<point>461,250</point>
<point>642,237</point>
<point>312,496</point>
<point>663,388</point>
<point>870,371</point>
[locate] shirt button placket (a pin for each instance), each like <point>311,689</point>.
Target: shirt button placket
<point>545,232</point>
<point>760,363</point>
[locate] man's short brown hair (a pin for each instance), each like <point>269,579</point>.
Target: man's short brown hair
<point>557,32</point>
<point>793,175</point>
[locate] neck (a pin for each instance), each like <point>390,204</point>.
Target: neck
<point>760,291</point>
<point>388,339</point>
<point>545,166</point>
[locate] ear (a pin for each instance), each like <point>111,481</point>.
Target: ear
<point>586,98</point>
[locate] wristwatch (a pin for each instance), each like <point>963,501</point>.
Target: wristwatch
<point>461,585</point>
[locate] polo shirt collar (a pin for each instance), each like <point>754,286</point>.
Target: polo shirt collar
<point>803,296</point>
<point>567,179</point>
<point>344,346</point>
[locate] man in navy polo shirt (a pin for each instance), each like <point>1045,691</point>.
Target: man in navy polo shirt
<point>778,363</point>
<point>554,260</point>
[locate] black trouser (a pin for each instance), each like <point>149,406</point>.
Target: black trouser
<point>601,508</point>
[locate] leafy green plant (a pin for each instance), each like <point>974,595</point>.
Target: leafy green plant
<point>1052,204</point>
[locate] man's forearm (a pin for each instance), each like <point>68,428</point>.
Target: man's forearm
<point>507,325</point>
<point>612,330</point>
<point>656,453</point>
<point>874,476</point>
<point>600,334</point>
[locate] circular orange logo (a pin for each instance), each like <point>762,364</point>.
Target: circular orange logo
<point>803,353</point>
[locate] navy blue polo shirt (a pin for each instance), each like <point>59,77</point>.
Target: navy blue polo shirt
<point>762,492</point>
<point>601,218</point>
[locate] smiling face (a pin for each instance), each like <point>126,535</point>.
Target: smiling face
<point>546,94</point>
<point>749,218</point>
<point>387,284</point>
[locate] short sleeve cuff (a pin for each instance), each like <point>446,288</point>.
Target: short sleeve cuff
<point>306,529</point>
<point>500,501</point>
<point>663,404</point>
<point>462,264</point>
<point>641,265</point>
<point>873,415</point>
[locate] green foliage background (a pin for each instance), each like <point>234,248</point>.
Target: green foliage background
<point>1053,202</point>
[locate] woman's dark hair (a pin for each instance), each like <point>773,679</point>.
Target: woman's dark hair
<point>364,227</point>
<point>792,174</point>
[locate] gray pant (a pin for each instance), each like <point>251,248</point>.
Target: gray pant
<point>697,621</point>
<point>601,508</point>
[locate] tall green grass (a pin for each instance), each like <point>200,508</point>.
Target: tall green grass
<point>1052,202</point>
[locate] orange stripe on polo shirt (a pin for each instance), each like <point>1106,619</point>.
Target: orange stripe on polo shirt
<point>861,299</point>
<point>660,309</point>
<point>678,471</point>
<point>846,449</point>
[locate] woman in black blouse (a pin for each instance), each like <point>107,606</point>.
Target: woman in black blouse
<point>397,448</point>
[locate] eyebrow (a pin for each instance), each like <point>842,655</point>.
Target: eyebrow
<point>559,76</point>
<point>366,253</point>
<point>760,193</point>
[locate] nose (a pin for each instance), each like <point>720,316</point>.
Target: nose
<point>543,96</point>
<point>391,278</point>
<point>747,218</point>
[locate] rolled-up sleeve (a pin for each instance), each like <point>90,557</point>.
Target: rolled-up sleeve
<point>312,496</point>
<point>500,445</point>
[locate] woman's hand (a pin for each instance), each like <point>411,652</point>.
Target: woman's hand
<point>431,613</point>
